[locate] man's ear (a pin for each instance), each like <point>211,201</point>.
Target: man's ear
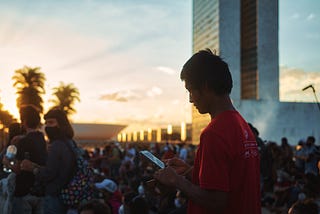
<point>205,88</point>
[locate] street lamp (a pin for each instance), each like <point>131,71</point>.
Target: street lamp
<point>169,132</point>
<point>314,92</point>
<point>124,137</point>
<point>158,135</point>
<point>149,134</point>
<point>1,135</point>
<point>135,136</point>
<point>183,136</point>
<point>119,137</point>
<point>141,135</point>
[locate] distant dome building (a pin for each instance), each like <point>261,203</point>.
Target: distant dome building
<point>91,134</point>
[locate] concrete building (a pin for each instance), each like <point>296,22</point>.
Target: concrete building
<point>245,34</point>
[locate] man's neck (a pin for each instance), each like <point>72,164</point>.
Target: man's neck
<point>222,104</point>
<point>28,130</point>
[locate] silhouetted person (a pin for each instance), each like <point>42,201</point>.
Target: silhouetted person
<point>61,162</point>
<point>28,196</point>
<point>226,173</point>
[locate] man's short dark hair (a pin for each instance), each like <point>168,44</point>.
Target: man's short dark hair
<point>30,116</point>
<point>205,69</point>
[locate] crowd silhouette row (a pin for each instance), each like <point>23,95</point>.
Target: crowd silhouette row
<point>123,178</point>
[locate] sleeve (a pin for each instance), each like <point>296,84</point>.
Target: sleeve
<point>50,171</point>
<point>214,163</point>
<point>21,148</point>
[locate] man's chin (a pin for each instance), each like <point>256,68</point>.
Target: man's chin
<point>201,112</point>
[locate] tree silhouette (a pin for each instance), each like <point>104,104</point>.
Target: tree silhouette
<point>5,117</point>
<point>65,97</point>
<point>29,83</point>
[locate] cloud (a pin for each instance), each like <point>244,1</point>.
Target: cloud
<point>293,80</point>
<point>120,96</point>
<point>97,46</point>
<point>295,16</point>
<point>131,95</point>
<point>166,70</point>
<point>310,17</point>
<point>154,91</point>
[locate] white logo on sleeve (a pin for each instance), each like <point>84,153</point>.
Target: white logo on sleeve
<point>246,134</point>
<point>250,146</point>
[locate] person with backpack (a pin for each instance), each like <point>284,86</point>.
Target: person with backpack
<point>61,162</point>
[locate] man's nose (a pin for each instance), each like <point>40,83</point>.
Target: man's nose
<point>190,98</point>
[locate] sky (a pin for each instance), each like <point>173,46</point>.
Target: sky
<point>299,45</point>
<point>125,56</point>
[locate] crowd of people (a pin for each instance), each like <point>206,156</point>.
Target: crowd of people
<point>123,178</point>
<point>31,181</point>
<point>231,170</point>
<point>286,179</point>
<point>290,174</point>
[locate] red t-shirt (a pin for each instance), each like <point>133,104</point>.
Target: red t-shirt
<point>228,160</point>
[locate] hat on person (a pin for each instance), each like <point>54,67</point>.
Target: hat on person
<point>108,185</point>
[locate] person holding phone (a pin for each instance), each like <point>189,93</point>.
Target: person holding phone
<point>28,195</point>
<point>225,177</point>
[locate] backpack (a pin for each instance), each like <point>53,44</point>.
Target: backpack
<point>80,188</point>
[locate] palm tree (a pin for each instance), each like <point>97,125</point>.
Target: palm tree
<point>29,83</point>
<point>6,119</point>
<point>65,97</point>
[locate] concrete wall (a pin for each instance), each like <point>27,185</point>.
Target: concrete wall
<point>275,120</point>
<point>268,54</point>
<point>229,41</point>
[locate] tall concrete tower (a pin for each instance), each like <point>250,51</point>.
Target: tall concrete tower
<point>245,34</point>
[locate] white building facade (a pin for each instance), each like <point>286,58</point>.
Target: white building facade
<point>245,34</point>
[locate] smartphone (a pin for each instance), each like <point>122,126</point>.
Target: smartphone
<point>152,158</point>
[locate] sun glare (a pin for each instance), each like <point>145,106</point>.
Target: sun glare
<point>10,107</point>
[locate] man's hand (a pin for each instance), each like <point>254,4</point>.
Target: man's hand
<point>178,165</point>
<point>27,165</point>
<point>14,166</point>
<point>15,140</point>
<point>167,176</point>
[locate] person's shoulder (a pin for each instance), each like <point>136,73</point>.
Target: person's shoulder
<point>224,121</point>
<point>57,143</point>
<point>20,138</point>
<point>23,140</point>
<point>36,135</point>
<point>59,140</point>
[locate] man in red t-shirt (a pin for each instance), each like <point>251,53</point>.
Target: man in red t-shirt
<point>225,177</point>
